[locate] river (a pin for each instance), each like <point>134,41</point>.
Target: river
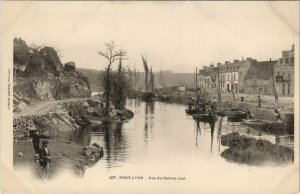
<point>163,150</point>
<point>161,141</point>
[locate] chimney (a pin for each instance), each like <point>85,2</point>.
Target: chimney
<point>293,47</point>
<point>204,67</point>
<point>226,62</point>
<point>236,61</point>
<point>211,65</point>
<point>219,64</point>
<point>249,59</point>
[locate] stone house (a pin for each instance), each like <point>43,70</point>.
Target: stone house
<point>258,79</point>
<point>284,73</point>
<point>229,73</point>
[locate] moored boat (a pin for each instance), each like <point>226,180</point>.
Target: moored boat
<point>255,123</point>
<point>191,111</point>
<point>268,126</point>
<point>235,115</point>
<point>148,96</point>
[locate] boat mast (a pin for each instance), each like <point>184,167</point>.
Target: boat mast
<point>218,89</point>
<point>233,95</point>
<point>274,89</point>
<point>196,80</point>
<point>146,73</point>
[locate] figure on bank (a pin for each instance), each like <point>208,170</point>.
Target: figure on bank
<point>36,143</point>
<point>45,159</point>
<point>259,101</point>
<point>277,116</point>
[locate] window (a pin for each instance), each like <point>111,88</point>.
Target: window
<point>281,61</point>
<point>278,73</point>
<point>234,76</point>
<point>254,82</point>
<point>265,89</point>
<point>292,60</point>
<point>289,76</point>
<point>286,60</point>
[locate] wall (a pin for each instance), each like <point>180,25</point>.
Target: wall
<point>279,85</point>
<point>251,88</point>
<point>264,114</point>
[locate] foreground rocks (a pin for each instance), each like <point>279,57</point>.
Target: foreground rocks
<point>64,155</point>
<point>249,150</point>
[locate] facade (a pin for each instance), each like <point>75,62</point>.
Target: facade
<point>258,79</point>
<point>284,73</point>
<point>251,76</point>
<point>229,75</point>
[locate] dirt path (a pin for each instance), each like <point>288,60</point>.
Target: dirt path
<point>41,107</point>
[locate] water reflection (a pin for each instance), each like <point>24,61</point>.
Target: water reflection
<point>149,117</point>
<point>197,131</point>
<point>212,129</point>
<point>219,133</point>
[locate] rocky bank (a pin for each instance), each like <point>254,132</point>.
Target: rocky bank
<point>249,150</point>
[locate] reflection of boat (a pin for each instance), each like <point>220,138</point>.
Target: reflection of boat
<point>235,114</point>
<point>204,117</point>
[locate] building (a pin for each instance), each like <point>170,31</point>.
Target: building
<point>200,78</point>
<point>258,79</point>
<point>284,73</point>
<point>230,74</point>
<point>244,67</point>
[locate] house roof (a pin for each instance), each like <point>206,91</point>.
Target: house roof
<point>260,70</point>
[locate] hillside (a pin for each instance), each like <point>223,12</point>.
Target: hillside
<point>40,75</point>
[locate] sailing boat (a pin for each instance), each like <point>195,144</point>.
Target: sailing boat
<point>148,94</point>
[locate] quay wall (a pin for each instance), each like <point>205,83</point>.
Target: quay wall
<point>265,114</point>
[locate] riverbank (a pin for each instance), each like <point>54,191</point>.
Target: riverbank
<point>57,121</point>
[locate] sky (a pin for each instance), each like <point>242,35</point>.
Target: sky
<point>177,36</point>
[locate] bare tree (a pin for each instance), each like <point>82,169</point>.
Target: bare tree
<point>111,54</point>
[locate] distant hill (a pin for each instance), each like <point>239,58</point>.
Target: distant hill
<point>168,77</point>
<point>95,78</point>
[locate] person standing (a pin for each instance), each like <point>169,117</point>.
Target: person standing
<point>36,143</point>
<point>259,101</point>
<point>277,116</point>
<point>45,158</point>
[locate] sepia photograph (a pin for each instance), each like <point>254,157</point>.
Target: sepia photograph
<point>149,96</point>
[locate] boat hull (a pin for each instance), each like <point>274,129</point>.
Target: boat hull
<point>148,96</point>
<point>235,115</point>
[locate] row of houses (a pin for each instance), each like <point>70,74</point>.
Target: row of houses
<point>251,76</point>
